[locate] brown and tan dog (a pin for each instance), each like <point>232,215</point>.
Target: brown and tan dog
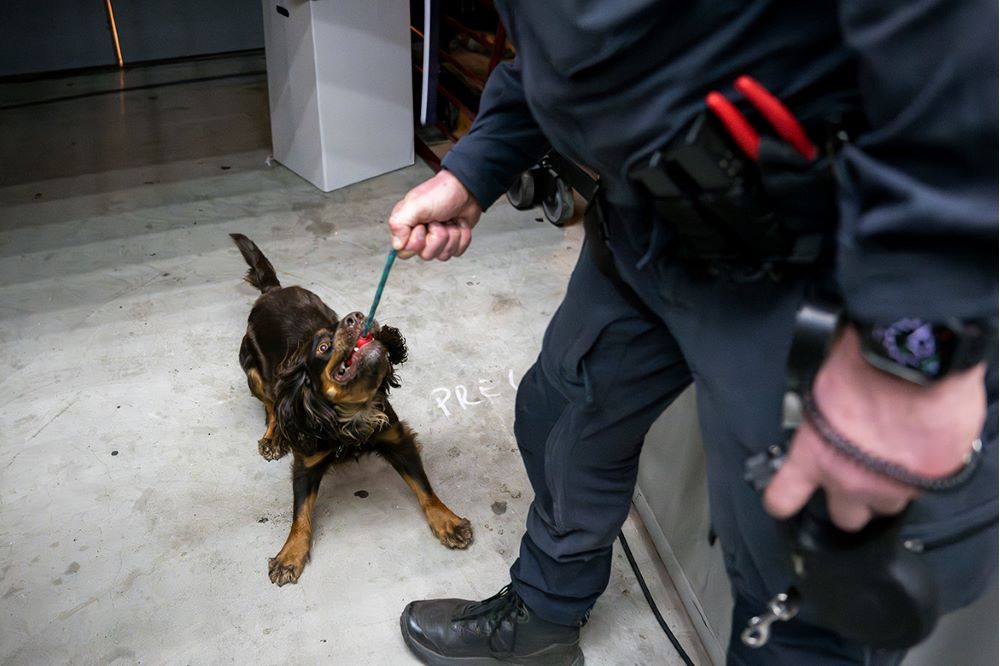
<point>326,403</point>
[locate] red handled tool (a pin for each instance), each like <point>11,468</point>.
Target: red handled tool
<point>784,123</point>
<point>774,111</point>
<point>743,133</point>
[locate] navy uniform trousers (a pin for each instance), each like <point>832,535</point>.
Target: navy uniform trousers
<point>603,376</point>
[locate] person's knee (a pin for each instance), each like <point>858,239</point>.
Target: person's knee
<point>567,534</point>
<point>537,406</point>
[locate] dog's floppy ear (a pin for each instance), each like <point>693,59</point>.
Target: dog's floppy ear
<point>395,347</point>
<point>394,344</point>
<point>301,412</point>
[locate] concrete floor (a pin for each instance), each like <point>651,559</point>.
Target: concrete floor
<point>136,517</point>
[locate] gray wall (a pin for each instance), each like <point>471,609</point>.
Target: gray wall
<point>672,498</point>
<point>155,29</point>
<point>68,34</point>
<point>54,34</point>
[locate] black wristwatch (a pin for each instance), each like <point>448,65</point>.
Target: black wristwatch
<point>922,351</point>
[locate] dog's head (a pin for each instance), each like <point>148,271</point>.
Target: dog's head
<point>329,387</point>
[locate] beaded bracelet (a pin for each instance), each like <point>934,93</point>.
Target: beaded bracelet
<point>885,468</point>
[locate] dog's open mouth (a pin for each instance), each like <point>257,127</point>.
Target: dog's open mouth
<point>348,368</point>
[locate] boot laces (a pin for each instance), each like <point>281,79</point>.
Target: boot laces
<point>492,612</point>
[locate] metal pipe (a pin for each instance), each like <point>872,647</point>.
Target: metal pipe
<point>114,32</point>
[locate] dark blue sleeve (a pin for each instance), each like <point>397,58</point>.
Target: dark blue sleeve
<point>504,139</point>
<point>918,203</point>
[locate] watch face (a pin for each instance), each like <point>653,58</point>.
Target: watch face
<point>915,344</point>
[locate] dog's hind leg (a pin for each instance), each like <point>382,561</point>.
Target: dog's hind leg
<point>398,445</point>
<point>287,565</point>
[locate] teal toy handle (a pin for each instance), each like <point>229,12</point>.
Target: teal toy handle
<point>378,292</point>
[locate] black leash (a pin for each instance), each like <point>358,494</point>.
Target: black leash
<point>652,604</point>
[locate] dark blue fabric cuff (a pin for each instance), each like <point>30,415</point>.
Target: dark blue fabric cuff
<point>484,185</point>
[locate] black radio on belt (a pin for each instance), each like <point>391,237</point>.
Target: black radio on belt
<point>735,197</point>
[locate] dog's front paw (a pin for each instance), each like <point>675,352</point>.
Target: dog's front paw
<point>451,530</point>
<point>283,568</point>
<point>270,449</point>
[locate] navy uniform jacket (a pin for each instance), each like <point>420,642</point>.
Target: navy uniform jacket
<point>605,82</point>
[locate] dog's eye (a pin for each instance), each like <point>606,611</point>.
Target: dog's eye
<point>324,347</point>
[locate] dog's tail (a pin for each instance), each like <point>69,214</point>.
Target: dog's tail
<point>261,273</point>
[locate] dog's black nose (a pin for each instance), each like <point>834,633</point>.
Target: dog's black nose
<point>354,319</point>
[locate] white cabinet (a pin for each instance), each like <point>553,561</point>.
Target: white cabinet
<point>340,87</point>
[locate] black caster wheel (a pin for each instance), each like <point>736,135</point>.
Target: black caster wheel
<point>521,194</point>
<point>558,204</point>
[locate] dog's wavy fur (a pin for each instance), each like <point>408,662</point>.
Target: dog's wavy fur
<point>293,354</point>
<point>305,417</point>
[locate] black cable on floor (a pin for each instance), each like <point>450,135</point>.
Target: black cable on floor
<point>652,604</point>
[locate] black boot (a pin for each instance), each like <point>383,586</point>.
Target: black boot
<point>498,630</point>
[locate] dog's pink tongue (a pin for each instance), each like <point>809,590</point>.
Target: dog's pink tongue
<point>362,341</point>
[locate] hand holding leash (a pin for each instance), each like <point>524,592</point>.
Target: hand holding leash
<point>928,430</point>
<point>841,495</point>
